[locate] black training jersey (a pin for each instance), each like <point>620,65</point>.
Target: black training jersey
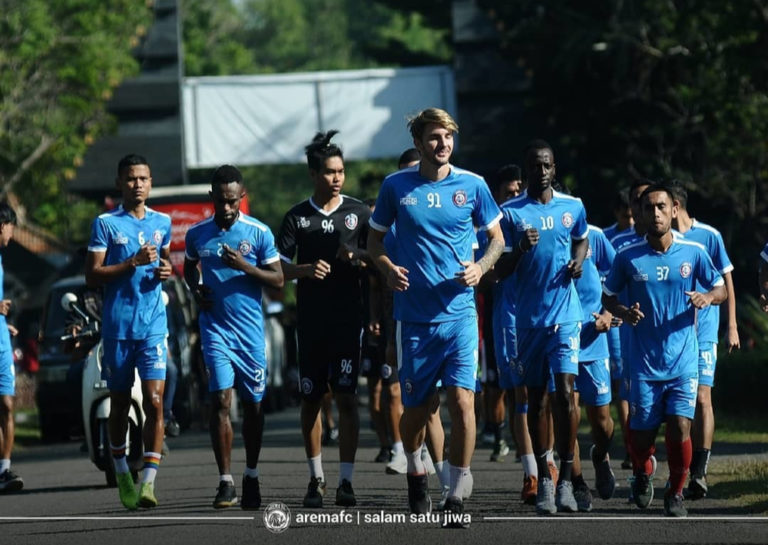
<point>310,233</point>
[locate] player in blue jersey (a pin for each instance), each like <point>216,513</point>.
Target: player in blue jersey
<point>593,383</point>
<point>547,232</point>
<point>707,325</point>
<point>9,481</point>
<point>619,371</point>
<point>128,254</point>
<point>327,235</point>
<point>434,208</point>
<point>622,212</point>
<point>237,257</point>
<point>661,275</point>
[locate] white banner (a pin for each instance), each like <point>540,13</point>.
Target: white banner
<point>251,120</point>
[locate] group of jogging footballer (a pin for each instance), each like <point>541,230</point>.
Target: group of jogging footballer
<point>580,317</point>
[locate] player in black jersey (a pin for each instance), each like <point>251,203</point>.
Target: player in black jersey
<point>327,233</point>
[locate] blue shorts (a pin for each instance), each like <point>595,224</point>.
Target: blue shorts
<point>651,401</point>
<point>227,367</point>
<point>506,355</point>
<point>426,353</point>
<point>544,349</point>
<point>594,383</point>
<point>707,364</point>
<point>122,356</point>
<point>7,374</point>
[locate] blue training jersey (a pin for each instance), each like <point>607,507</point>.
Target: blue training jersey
<point>133,307</point>
<point>613,231</point>
<point>664,344</point>
<point>544,294</point>
<point>708,319</point>
<point>236,320</point>
<point>5,335</point>
<point>600,256</point>
<point>434,232</point>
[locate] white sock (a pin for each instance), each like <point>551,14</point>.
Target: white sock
<point>5,464</point>
<point>551,456</point>
<point>252,473</point>
<point>415,465</point>
<point>397,448</point>
<point>151,463</point>
<point>316,467</point>
<point>121,464</point>
<point>226,477</point>
<point>458,476</point>
<point>346,469</point>
<point>529,465</point>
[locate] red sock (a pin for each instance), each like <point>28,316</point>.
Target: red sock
<point>641,458</point>
<point>679,454</point>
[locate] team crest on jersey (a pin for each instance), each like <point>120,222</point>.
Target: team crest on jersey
<point>386,371</point>
<point>685,270</point>
<point>157,237</point>
<point>408,387</point>
<point>350,221</point>
<point>244,247</point>
<point>460,197</point>
<point>306,386</point>
<point>567,220</point>
<point>303,223</point>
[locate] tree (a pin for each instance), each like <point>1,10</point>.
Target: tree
<point>655,88</point>
<point>59,62</point>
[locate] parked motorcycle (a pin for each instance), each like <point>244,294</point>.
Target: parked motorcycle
<point>95,397</point>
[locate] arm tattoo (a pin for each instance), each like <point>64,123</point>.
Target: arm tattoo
<point>495,247</point>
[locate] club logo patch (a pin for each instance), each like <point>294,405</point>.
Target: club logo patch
<point>567,220</point>
<point>685,270</point>
<point>306,386</point>
<point>157,236</point>
<point>460,197</point>
<point>244,247</point>
<point>386,371</point>
<point>408,387</point>
<point>350,221</point>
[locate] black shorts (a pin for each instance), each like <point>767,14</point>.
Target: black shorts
<point>329,356</point>
<point>374,363</point>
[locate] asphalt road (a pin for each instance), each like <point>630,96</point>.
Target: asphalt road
<point>65,501</point>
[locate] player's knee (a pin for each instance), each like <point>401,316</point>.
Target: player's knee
<point>153,403</point>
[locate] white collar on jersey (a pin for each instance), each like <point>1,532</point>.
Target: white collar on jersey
<point>329,212</point>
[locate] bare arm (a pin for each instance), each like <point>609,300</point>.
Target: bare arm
<point>632,315</point>
<point>507,263</point>
<point>473,272</point>
<point>732,339</point>
<point>713,297</point>
<point>318,270</point>
<point>270,275</point>
<point>397,277</point>
<point>578,254</point>
<point>98,274</point>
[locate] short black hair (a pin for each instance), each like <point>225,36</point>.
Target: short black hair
<point>537,144</point>
<point>226,174</point>
<point>620,199</point>
<point>679,192</point>
<point>7,214</point>
<point>640,182</point>
<point>408,156</point>
<point>321,149</point>
<point>508,173</point>
<point>130,160</point>
<point>659,186</point>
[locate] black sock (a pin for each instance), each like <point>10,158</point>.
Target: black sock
<point>700,461</point>
<point>566,468</point>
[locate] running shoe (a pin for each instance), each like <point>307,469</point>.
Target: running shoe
<point>398,464</point>
<point>10,482</point>
<point>673,505</point>
<point>315,493</point>
<point>642,490</point>
<point>605,480</point>
<point>127,490</point>
<point>528,493</point>
<point>583,497</point>
<point>564,498</point>
<point>251,493</point>
<point>454,513</point>
<point>345,496</point>
<point>418,494</point>
<point>147,497</point>
<point>545,497</point>
<point>500,451</point>
<point>226,495</point>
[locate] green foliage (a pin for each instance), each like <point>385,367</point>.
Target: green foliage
<point>657,89</point>
<point>267,36</point>
<point>59,62</point>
